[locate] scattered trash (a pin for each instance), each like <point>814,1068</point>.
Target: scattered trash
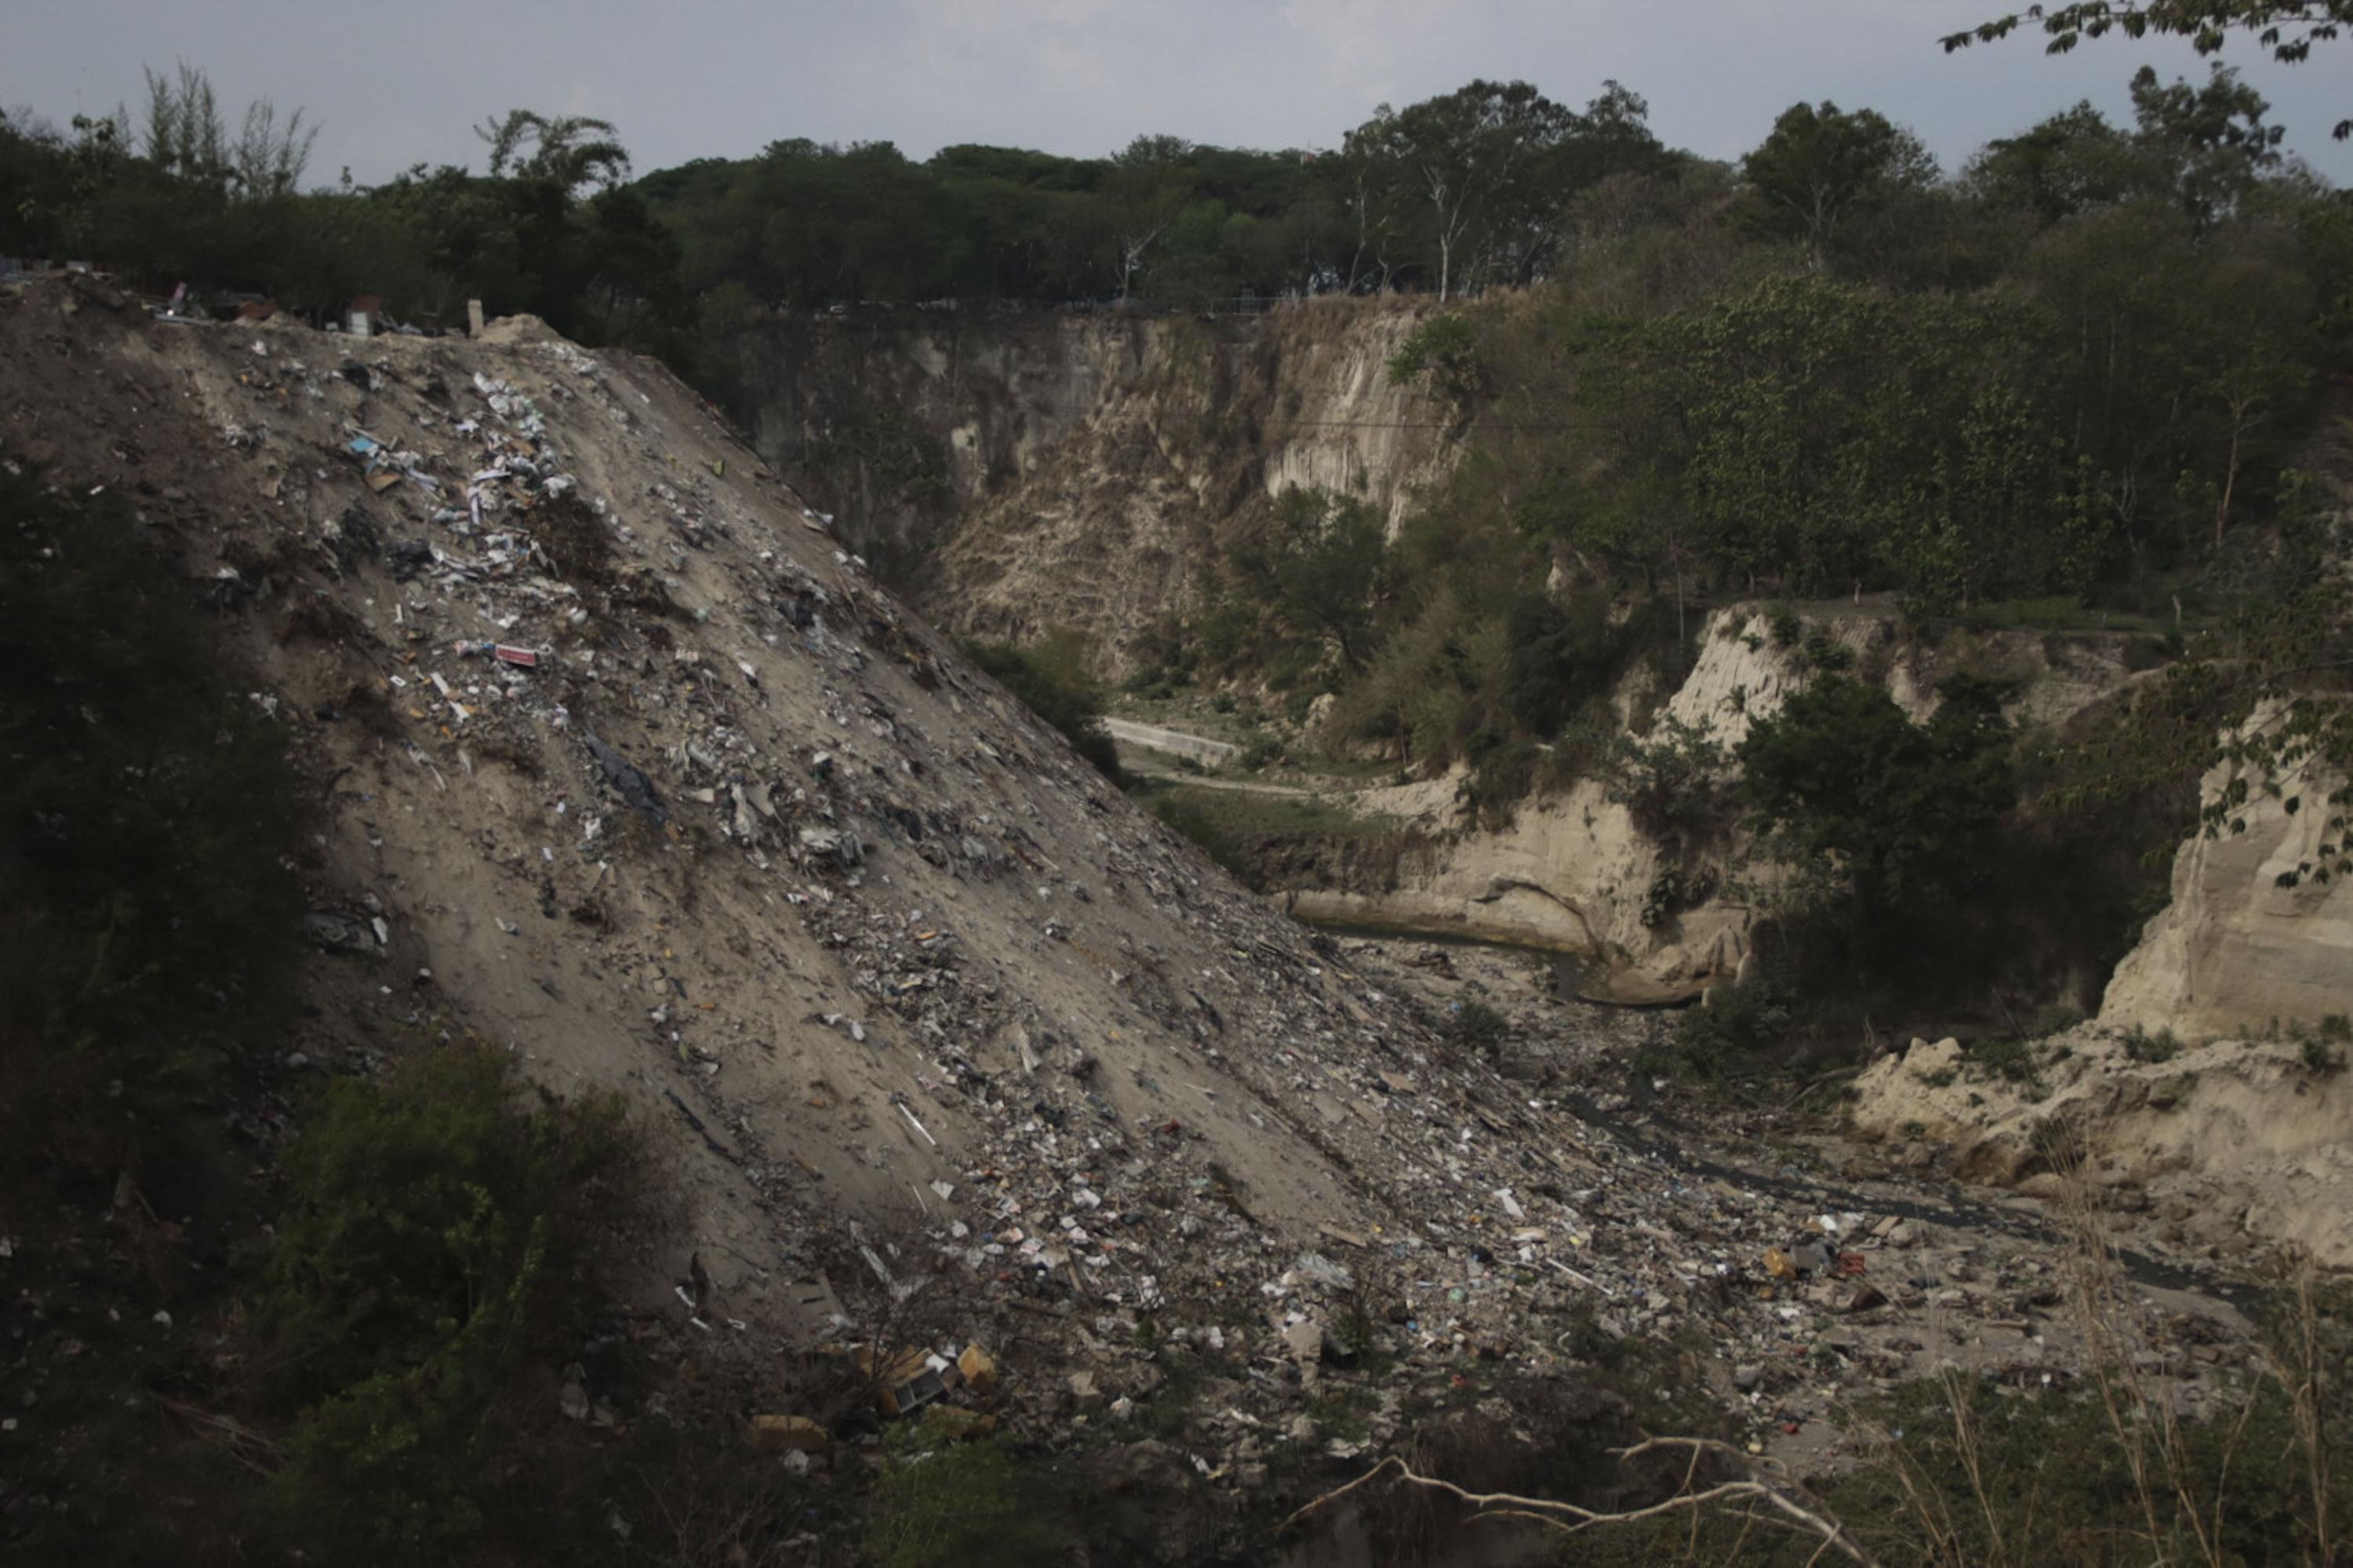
<point>634,785</point>
<point>979,1370</point>
<point>408,559</point>
<point>524,658</point>
<point>339,931</point>
<point>777,1433</point>
<point>910,1380</point>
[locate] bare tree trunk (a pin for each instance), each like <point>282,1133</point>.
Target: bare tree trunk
<point>2229,473</point>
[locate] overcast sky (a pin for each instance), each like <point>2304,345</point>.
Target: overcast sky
<point>401,81</point>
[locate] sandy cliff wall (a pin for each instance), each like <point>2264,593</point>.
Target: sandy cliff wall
<point>1575,873</point>
<point>2246,940</point>
<point>1023,472</point>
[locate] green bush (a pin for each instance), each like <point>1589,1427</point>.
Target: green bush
<point>1825,653</point>
<point>1674,888</point>
<point>1905,808</point>
<point>1560,656</point>
<point>1675,786</point>
<point>1308,586</point>
<point>436,1227</point>
<point>151,922</point>
<point>1445,349</point>
<point>1050,679</point>
<point>1474,1026</point>
<point>946,1505</point>
<point>1727,1024</point>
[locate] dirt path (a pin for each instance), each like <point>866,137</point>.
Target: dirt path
<point>1133,763</point>
<point>1174,742</point>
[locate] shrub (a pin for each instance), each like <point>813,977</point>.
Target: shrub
<point>1051,680</point>
<point>433,1228</point>
<point>1445,348</point>
<point>1674,888</point>
<point>1905,808</point>
<point>1825,653</point>
<point>146,811</point>
<point>1474,1026</point>
<point>2008,1059</point>
<point>1728,1023</point>
<point>1675,786</point>
<point>940,1503</point>
<point>1560,655</point>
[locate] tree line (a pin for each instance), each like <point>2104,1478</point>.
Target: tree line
<point>176,194</point>
<point>2080,372</point>
<point>1449,196</point>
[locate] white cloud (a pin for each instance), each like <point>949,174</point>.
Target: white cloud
<point>990,17</point>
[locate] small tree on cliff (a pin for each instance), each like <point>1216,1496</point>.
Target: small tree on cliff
<point>1318,572</point>
<point>1840,775</point>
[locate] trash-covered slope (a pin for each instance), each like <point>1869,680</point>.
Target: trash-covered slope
<point>620,761</point>
<point>625,764</point>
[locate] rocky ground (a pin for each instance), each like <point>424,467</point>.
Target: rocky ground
<point>619,759</point>
<point>1902,1271</point>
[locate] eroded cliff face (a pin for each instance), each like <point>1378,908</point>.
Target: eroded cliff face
<point>1022,473</point>
<point>2226,1143</point>
<point>2250,937</point>
<point>2208,1092</point>
<point>1661,918</point>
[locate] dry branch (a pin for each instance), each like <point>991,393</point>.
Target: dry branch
<point>1757,1486</point>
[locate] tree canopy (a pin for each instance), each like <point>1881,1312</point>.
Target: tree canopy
<point>1839,776</point>
<point>2287,29</point>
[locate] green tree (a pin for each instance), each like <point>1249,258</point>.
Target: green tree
<point>571,152</point>
<point>1820,165</point>
<point>2212,138</point>
<point>2288,29</point>
<point>1148,187</point>
<point>1444,350</point>
<point>1318,571</point>
<point>2070,164</point>
<point>1473,160</point>
<point>1840,777</point>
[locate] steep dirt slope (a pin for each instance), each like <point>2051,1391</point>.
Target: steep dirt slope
<point>727,828</point>
<point>739,833</point>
